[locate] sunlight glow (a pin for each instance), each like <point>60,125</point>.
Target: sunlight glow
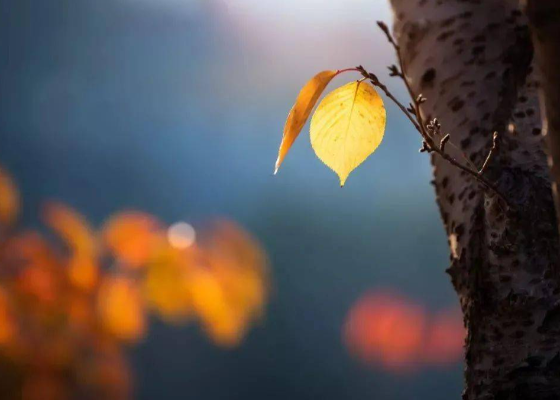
<point>310,10</point>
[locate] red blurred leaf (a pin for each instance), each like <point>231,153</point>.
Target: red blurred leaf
<point>390,330</point>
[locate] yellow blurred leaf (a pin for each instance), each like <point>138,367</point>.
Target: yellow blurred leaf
<point>347,127</point>
<point>228,331</point>
<point>240,265</point>
<point>83,271</point>
<point>167,284</point>
<point>229,283</point>
<point>9,199</point>
<point>80,238</point>
<point>299,113</point>
<point>224,326</point>
<point>71,227</point>
<point>121,308</point>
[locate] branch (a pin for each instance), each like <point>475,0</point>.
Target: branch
<point>490,154</point>
<point>429,131</point>
<point>381,86</point>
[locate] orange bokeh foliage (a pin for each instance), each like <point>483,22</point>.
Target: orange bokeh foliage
<point>80,240</point>
<point>71,299</point>
<point>9,201</point>
<point>132,237</point>
<point>7,322</point>
<point>231,290</point>
<point>168,284</point>
<point>387,329</point>
<point>36,268</point>
<point>44,386</point>
<point>121,308</point>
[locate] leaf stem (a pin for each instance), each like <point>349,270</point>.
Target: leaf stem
<point>341,71</point>
<point>381,86</point>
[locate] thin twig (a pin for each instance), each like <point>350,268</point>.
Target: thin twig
<point>490,154</point>
<point>467,160</point>
<point>381,86</point>
<point>443,142</point>
<point>385,30</point>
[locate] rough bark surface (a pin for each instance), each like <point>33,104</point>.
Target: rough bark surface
<point>473,60</point>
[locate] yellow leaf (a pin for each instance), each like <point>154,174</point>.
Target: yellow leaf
<point>299,113</point>
<point>347,127</point>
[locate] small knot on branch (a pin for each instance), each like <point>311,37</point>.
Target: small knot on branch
<point>394,71</point>
<point>425,148</point>
<point>433,127</point>
<point>368,75</point>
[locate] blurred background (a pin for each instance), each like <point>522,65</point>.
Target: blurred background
<point>176,108</point>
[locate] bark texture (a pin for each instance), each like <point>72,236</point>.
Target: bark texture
<point>473,60</point>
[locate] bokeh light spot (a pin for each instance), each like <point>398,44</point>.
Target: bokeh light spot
<point>181,235</point>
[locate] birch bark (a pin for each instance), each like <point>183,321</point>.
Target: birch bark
<point>474,62</point>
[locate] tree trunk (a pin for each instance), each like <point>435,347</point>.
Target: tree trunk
<point>473,60</point>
